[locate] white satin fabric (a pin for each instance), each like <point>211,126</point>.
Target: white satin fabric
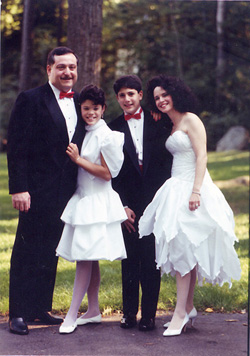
<point>94,214</point>
<point>184,239</point>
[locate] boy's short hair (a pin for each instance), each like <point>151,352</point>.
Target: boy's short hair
<point>128,81</point>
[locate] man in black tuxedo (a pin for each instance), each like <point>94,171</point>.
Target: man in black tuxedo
<point>42,178</point>
<point>147,164</point>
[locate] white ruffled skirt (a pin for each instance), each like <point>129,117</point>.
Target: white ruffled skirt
<point>184,239</point>
<point>93,227</point>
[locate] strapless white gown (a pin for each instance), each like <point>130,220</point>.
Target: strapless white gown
<point>184,239</point>
<point>94,214</point>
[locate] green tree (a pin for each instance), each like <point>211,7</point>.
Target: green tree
<point>26,50</point>
<point>145,37</point>
<point>180,38</point>
<point>221,63</point>
<point>47,17</point>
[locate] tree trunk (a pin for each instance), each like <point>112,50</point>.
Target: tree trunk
<point>220,68</point>
<point>26,50</point>
<point>177,38</point>
<point>85,38</point>
<point>60,16</point>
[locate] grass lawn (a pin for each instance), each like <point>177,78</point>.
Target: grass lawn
<point>225,169</point>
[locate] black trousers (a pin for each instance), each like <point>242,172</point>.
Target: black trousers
<point>140,269</point>
<point>34,263</point>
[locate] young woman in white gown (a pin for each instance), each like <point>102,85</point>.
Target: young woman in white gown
<point>94,214</point>
<point>189,216</point>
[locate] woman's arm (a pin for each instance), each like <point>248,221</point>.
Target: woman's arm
<point>100,171</point>
<point>197,134</point>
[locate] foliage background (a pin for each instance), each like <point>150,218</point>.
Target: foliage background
<point>146,38</point>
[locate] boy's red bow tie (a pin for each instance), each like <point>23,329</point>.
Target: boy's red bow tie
<point>66,95</point>
<point>133,116</point>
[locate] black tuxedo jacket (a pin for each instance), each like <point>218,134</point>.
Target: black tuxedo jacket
<point>37,142</point>
<point>136,188</point>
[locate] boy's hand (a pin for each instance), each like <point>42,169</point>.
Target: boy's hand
<point>129,223</point>
<point>73,152</point>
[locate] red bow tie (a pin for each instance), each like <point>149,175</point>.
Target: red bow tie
<point>66,95</point>
<point>133,116</point>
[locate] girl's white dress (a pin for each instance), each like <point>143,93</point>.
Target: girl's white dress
<point>184,239</point>
<point>94,214</point>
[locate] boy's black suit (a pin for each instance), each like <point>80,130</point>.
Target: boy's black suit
<point>38,164</point>
<point>136,190</point>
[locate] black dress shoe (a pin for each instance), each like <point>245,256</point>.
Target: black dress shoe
<point>146,324</point>
<point>46,319</point>
<point>128,321</point>
<point>18,326</point>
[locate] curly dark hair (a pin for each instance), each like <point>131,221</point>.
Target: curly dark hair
<point>93,93</point>
<point>183,98</point>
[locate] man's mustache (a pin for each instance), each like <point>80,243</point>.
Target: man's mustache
<point>67,77</point>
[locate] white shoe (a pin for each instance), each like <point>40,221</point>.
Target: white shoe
<point>67,329</point>
<point>82,321</point>
<point>176,332</point>
<point>192,316</point>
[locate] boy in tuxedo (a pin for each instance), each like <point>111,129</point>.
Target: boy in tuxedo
<point>147,164</point>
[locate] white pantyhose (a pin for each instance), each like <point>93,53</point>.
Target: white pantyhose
<point>185,293</point>
<point>87,280</point>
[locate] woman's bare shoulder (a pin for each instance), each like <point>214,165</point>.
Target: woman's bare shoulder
<point>193,120</point>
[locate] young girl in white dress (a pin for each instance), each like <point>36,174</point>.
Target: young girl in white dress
<point>94,214</point>
<point>189,216</point>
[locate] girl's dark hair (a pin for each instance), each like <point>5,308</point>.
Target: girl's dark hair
<point>183,98</point>
<point>93,93</point>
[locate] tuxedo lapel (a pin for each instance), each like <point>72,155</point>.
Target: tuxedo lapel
<point>128,144</point>
<point>148,135</point>
<point>80,127</point>
<point>56,113</point>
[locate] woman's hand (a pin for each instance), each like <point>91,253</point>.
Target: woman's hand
<point>73,152</point>
<point>194,201</point>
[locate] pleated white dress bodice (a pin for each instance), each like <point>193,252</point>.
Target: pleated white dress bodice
<point>184,239</point>
<point>94,214</point>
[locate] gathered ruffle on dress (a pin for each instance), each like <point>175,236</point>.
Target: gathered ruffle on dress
<point>185,239</point>
<point>94,214</point>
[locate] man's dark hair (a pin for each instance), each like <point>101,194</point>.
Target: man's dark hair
<point>128,81</point>
<point>59,51</point>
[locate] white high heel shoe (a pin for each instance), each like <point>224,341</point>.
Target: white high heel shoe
<point>176,332</point>
<point>192,316</point>
<point>83,321</point>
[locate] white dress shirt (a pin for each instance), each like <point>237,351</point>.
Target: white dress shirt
<point>136,130</point>
<point>68,109</point>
